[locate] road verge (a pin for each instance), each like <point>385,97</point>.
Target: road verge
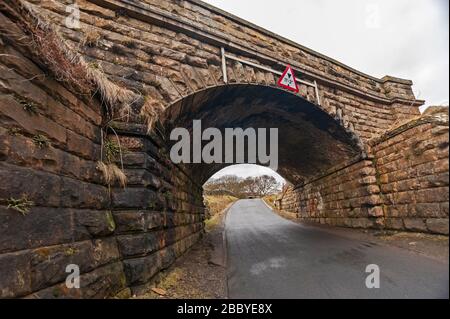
<point>201,272</point>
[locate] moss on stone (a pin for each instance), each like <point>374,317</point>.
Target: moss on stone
<point>70,251</point>
<point>110,221</point>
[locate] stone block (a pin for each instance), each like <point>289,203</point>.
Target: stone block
<point>48,264</point>
<point>376,211</point>
<point>415,224</point>
<point>140,270</point>
<point>135,221</point>
<point>140,198</point>
<point>40,227</point>
<point>438,225</point>
<point>101,283</point>
<point>92,224</point>
<point>140,244</point>
<point>15,279</point>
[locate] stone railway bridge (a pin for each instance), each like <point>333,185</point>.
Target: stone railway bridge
<point>355,148</point>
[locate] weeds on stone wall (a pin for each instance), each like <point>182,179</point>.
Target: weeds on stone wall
<point>41,141</point>
<point>150,112</point>
<point>111,152</point>
<point>30,107</point>
<point>22,205</point>
<point>91,38</point>
<point>112,173</point>
<point>64,63</point>
<point>14,131</point>
<point>51,52</point>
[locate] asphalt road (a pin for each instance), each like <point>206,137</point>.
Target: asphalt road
<point>271,257</point>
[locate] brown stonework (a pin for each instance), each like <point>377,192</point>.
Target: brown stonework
<point>351,160</point>
<point>403,187</point>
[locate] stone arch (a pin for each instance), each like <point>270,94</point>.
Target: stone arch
<point>310,139</point>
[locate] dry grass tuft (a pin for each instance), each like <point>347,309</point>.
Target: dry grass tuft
<point>103,168</point>
<point>91,38</point>
<point>150,111</point>
<point>118,175</point>
<point>112,94</point>
<point>112,174</point>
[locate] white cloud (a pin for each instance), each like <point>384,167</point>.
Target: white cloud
<point>402,38</point>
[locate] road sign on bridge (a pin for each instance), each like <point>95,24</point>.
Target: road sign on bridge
<point>288,81</point>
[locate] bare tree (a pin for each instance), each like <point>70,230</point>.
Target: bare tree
<point>266,185</point>
<point>225,185</point>
<point>252,186</point>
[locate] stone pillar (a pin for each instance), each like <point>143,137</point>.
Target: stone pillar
<point>406,106</point>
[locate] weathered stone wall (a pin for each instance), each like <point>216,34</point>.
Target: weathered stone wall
<point>159,215</point>
<point>55,206</point>
<point>412,165</point>
<point>49,145</point>
<point>348,197</point>
<point>403,185</point>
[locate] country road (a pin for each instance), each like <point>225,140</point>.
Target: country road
<point>270,257</point>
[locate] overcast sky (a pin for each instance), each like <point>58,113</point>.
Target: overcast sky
<point>403,38</point>
<point>247,170</point>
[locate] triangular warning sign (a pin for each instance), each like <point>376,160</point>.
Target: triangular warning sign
<point>287,80</point>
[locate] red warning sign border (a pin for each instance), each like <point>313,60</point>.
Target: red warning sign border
<point>296,90</point>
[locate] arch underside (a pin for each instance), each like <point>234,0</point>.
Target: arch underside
<point>310,140</point>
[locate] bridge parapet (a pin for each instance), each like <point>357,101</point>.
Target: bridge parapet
<point>216,27</point>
